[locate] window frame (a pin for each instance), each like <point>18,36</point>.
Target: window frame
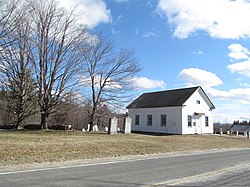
<point>189,120</point>
<point>149,120</point>
<point>163,120</point>
<point>137,120</point>
<point>206,121</point>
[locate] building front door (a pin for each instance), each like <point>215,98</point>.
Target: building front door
<point>198,129</point>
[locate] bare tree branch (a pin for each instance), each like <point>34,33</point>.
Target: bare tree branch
<point>109,73</point>
<point>55,38</point>
<point>16,69</point>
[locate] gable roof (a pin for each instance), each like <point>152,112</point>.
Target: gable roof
<point>240,128</point>
<point>166,98</point>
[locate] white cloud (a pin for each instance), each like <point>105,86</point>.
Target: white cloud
<point>199,77</point>
<point>226,19</point>
<point>114,31</point>
<point>242,82</point>
<point>230,104</point>
<point>241,93</point>
<point>208,80</point>
<point>149,34</point>
<point>86,81</point>
<point>220,94</point>
<point>91,12</point>
<point>197,52</point>
<point>137,82</point>
<point>238,52</point>
<point>146,83</point>
<point>230,111</point>
<point>242,68</point>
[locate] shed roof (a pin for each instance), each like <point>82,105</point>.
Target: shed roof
<point>241,128</point>
<point>168,98</point>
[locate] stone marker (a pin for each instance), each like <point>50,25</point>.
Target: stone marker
<point>237,133</point>
<point>95,128</point>
<point>106,129</point>
<point>127,125</point>
<point>20,127</point>
<point>245,134</point>
<point>118,129</point>
<point>248,134</point>
<point>113,126</point>
<point>221,132</point>
<point>88,127</point>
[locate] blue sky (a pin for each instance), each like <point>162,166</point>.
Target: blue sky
<point>182,43</point>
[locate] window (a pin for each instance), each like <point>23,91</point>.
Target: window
<point>198,102</point>
<point>149,120</point>
<point>206,121</point>
<point>189,121</point>
<point>137,120</point>
<point>163,120</point>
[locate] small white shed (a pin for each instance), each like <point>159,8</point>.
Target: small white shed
<point>179,111</point>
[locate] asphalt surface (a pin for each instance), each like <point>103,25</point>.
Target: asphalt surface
<point>234,179</point>
<point>203,169</point>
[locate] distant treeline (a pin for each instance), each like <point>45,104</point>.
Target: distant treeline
<point>245,122</point>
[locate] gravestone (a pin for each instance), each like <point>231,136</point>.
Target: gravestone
<point>88,128</point>
<point>106,129</point>
<point>127,125</point>
<point>20,127</point>
<point>113,126</point>
<point>95,128</point>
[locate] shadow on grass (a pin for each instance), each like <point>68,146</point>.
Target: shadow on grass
<point>153,133</point>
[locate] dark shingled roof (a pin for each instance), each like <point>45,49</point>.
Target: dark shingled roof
<point>166,98</point>
<point>240,128</point>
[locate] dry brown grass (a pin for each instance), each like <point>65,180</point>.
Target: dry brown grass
<point>53,146</point>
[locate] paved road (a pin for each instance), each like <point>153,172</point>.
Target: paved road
<point>232,179</point>
<point>188,170</point>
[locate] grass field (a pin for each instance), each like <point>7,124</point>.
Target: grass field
<point>24,147</point>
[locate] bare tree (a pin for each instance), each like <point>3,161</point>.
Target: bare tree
<point>54,39</point>
<point>7,19</point>
<point>108,73</point>
<point>16,69</point>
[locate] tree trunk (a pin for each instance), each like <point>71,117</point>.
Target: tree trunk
<point>91,122</point>
<point>92,118</point>
<point>44,124</point>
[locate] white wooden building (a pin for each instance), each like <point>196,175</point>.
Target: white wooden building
<point>180,111</point>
